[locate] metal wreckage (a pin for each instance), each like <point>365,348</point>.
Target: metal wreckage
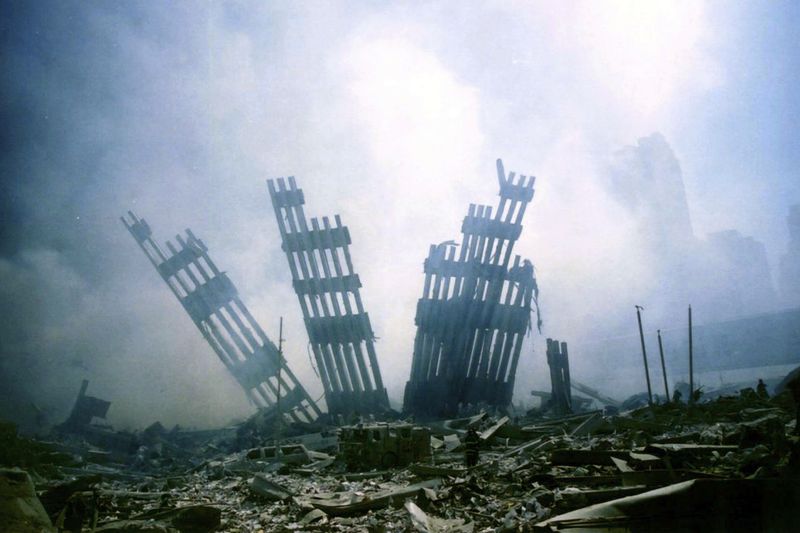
<point>471,320</point>
<point>474,311</point>
<point>582,461</point>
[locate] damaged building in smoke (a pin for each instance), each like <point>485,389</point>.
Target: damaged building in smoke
<point>474,311</point>
<point>212,302</point>
<point>471,320</point>
<point>327,287</point>
<point>729,460</point>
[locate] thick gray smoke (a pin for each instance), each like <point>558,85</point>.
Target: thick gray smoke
<point>392,117</point>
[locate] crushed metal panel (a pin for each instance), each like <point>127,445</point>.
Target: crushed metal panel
<point>327,287</point>
<point>474,311</point>
<point>213,303</point>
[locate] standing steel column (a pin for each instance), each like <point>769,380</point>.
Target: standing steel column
<point>560,386</point>
<point>212,302</point>
<point>644,355</point>
<point>663,367</point>
<point>474,311</point>
<point>691,361</point>
<point>327,287</point>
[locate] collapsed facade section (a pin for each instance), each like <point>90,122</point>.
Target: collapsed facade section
<point>213,304</point>
<point>85,409</point>
<point>327,287</point>
<point>561,389</point>
<point>474,311</point>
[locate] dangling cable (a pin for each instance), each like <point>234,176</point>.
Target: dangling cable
<point>311,359</point>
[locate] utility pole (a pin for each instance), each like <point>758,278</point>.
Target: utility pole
<point>644,355</point>
<point>663,366</point>
<point>691,361</point>
<point>278,415</point>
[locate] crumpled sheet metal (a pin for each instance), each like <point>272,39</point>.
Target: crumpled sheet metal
<point>708,505</point>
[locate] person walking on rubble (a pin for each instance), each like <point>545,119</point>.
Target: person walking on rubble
<point>761,390</point>
<point>472,444</point>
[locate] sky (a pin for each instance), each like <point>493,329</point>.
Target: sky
<point>390,114</point>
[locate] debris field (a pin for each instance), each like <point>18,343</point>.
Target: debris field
<point>728,464</point>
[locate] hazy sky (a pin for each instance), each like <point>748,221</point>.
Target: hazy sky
<point>391,115</point>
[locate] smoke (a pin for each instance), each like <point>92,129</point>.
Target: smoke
<point>391,116</point>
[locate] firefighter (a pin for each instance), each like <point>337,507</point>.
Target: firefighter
<point>761,390</point>
<point>472,444</point>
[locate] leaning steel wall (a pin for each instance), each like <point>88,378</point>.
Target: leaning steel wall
<point>212,302</point>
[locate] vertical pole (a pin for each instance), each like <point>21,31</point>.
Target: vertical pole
<point>644,355</point>
<point>278,420</point>
<point>567,380</point>
<point>552,348</point>
<point>691,360</point>
<point>663,367</point>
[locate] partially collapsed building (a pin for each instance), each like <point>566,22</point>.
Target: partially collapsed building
<point>475,310</point>
<point>212,302</point>
<point>327,288</point>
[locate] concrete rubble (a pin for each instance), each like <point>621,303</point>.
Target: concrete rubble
<point>727,464</point>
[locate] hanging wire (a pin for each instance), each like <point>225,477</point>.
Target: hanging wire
<point>311,359</point>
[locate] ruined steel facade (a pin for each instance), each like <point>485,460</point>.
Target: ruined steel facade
<point>474,311</point>
<point>327,287</point>
<point>561,388</point>
<point>212,302</point>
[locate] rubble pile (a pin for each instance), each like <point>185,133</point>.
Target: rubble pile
<point>728,464</point>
